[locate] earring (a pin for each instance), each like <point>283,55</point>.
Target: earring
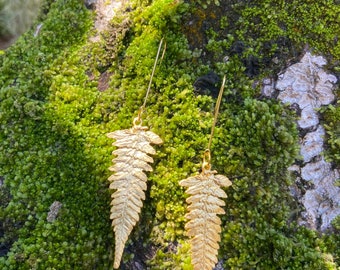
<point>205,204</point>
<point>129,180</point>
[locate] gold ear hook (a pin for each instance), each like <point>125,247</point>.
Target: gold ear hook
<point>153,71</point>
<point>206,165</point>
<point>164,49</point>
<point>217,108</point>
<point>137,121</point>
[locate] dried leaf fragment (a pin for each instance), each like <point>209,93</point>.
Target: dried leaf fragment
<point>129,180</point>
<point>204,224</point>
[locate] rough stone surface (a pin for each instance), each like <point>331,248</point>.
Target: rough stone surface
<point>308,87</point>
<point>268,87</point>
<point>105,11</point>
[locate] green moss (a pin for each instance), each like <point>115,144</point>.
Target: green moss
<point>331,116</point>
<point>39,162</point>
<point>53,125</point>
<point>266,35</point>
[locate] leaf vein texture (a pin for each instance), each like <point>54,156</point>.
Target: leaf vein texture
<point>204,225</point>
<point>129,181</point>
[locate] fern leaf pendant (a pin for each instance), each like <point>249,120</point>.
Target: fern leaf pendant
<point>129,180</point>
<point>204,224</point>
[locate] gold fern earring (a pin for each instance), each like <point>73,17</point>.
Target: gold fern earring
<point>205,204</point>
<point>129,179</point>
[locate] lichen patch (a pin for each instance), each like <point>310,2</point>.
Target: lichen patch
<point>308,86</point>
<point>306,83</point>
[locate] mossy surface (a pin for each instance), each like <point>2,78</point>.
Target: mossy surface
<point>331,116</point>
<point>267,36</point>
<point>53,141</point>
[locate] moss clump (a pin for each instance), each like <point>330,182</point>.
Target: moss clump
<point>52,136</point>
<point>331,116</point>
